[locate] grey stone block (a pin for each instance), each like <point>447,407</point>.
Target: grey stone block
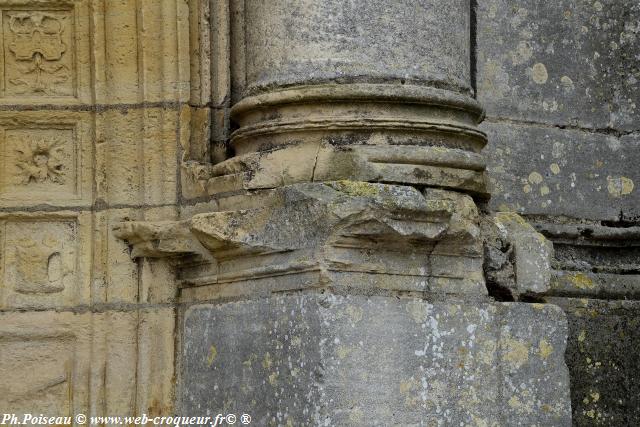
<point>538,170</point>
<point>319,359</point>
<point>560,62</point>
<point>604,361</point>
<point>532,253</point>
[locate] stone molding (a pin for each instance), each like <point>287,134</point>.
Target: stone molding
<point>593,261</point>
<point>396,236</point>
<point>363,132</point>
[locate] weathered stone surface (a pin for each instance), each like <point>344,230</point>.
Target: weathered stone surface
<point>296,42</point>
<point>45,259</point>
<point>560,82</point>
<point>64,363</point>
<point>46,158</point>
<point>160,239</point>
<point>540,170</point>
<point>408,156</point>
<point>387,236</point>
<point>602,355</point>
<point>45,70</point>
<point>325,359</point>
<point>45,363</point>
<point>367,132</point>
<point>593,260</point>
<point>517,257</point>
<point>90,130</point>
<point>121,111</point>
<point>562,62</point>
<point>368,92</point>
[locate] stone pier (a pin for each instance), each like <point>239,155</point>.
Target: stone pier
<point>300,210</point>
<point>339,277</point>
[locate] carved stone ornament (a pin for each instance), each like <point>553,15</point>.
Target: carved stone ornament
<point>429,241</point>
<point>41,161</point>
<point>40,256</point>
<point>38,48</point>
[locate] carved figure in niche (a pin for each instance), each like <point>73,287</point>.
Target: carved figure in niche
<point>38,48</point>
<point>39,266</point>
<point>41,160</point>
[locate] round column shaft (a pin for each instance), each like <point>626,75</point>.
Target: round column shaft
<point>370,90</point>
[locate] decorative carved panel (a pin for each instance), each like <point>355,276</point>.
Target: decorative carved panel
<point>38,52</point>
<point>39,261</point>
<point>44,52</point>
<point>38,49</point>
<point>39,162</point>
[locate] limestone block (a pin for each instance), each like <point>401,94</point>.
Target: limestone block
<point>45,259</point>
<point>561,62</point>
<point>531,352</point>
<point>538,170</point>
<point>127,342</point>
<point>197,143</point>
<point>602,355</point>
<point>65,363</point>
<point>116,276</point>
<point>142,58</point>
<point>355,360</point>
<point>532,253</point>
<point>45,364</point>
<point>117,342</point>
<point>157,282</point>
<point>136,156</point>
<point>156,370</point>
<point>194,179</point>
<point>46,158</point>
<point>200,45</point>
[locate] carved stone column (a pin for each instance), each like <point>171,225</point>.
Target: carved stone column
<point>371,91</point>
<point>339,279</point>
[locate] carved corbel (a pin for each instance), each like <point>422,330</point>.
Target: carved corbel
<point>164,239</point>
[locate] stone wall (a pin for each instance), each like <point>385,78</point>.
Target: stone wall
<point>561,85</point>
<point>288,209</point>
<point>92,94</point>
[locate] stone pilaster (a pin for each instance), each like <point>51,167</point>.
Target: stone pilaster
<point>92,93</point>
